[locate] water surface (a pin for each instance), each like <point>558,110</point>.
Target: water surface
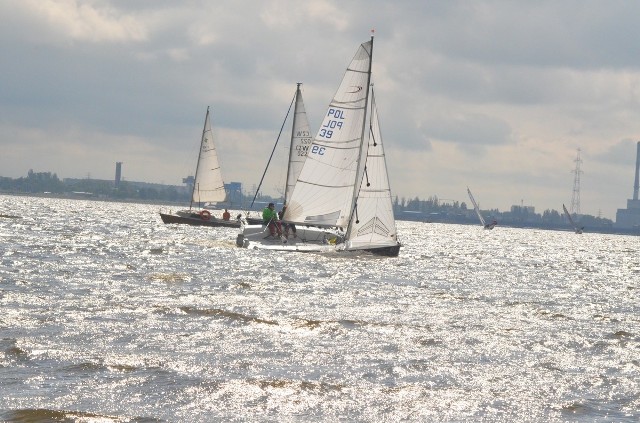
<point>110,315</point>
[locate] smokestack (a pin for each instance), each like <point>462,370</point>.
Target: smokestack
<point>636,184</point>
<point>119,172</point>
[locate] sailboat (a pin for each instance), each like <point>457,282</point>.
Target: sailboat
<point>208,187</point>
<point>341,200</point>
<point>486,225</point>
<point>575,227</point>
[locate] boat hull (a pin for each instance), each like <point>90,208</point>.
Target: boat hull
<point>197,220</point>
<point>307,240</point>
<point>391,251</point>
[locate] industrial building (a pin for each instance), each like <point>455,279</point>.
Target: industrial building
<point>629,218</point>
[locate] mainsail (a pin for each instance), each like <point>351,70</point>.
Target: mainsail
<point>575,227</point>
<point>300,142</point>
<point>325,192</point>
<point>208,184</point>
<point>476,208</point>
<point>373,224</point>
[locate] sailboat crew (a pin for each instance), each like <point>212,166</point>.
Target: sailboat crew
<point>288,227</point>
<point>270,218</point>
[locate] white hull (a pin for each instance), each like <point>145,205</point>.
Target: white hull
<point>307,240</point>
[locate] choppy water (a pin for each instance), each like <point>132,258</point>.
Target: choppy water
<point>109,315</point>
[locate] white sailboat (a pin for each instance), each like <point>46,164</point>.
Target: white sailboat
<point>208,186</point>
<point>341,200</point>
<point>575,227</point>
<point>486,225</point>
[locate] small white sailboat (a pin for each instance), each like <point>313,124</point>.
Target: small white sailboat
<point>208,187</point>
<point>341,200</point>
<point>486,225</point>
<point>576,229</point>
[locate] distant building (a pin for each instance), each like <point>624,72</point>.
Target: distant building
<point>630,217</point>
<point>234,193</point>
<point>523,209</point>
<point>189,181</point>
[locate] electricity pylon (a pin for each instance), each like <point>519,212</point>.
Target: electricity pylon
<point>575,198</point>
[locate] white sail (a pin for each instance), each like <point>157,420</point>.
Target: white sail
<point>208,183</point>
<point>575,227</point>
<point>300,142</point>
<point>373,224</point>
<point>325,190</point>
<point>476,208</point>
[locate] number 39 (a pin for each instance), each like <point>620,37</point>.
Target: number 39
<point>325,133</point>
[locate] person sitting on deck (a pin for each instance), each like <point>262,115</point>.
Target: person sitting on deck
<point>226,215</point>
<point>270,218</point>
<point>287,226</point>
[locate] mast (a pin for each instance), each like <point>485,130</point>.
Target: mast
<point>291,146</point>
<point>363,158</point>
<point>195,182</point>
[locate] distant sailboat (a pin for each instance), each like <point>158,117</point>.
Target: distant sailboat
<point>208,186</point>
<point>477,210</point>
<point>341,200</point>
<point>575,227</point>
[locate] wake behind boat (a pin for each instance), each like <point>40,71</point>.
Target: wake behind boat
<point>341,200</point>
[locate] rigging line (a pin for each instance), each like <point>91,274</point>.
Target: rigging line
<point>366,175</point>
<point>372,134</point>
<point>272,151</point>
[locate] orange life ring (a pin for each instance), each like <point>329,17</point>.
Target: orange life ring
<point>205,215</point>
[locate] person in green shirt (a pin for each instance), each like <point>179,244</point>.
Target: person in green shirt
<point>270,218</point>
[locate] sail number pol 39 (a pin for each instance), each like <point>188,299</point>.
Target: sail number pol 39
<point>335,122</point>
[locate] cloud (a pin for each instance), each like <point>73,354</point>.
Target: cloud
<point>85,21</point>
<point>494,92</point>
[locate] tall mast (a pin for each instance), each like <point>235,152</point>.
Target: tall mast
<point>362,160</point>
<point>295,113</point>
<point>204,129</point>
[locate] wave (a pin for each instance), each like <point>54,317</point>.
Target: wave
<point>30,415</point>
<point>11,349</point>
<point>297,385</point>
<point>225,313</point>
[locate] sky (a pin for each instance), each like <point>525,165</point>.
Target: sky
<point>498,96</point>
